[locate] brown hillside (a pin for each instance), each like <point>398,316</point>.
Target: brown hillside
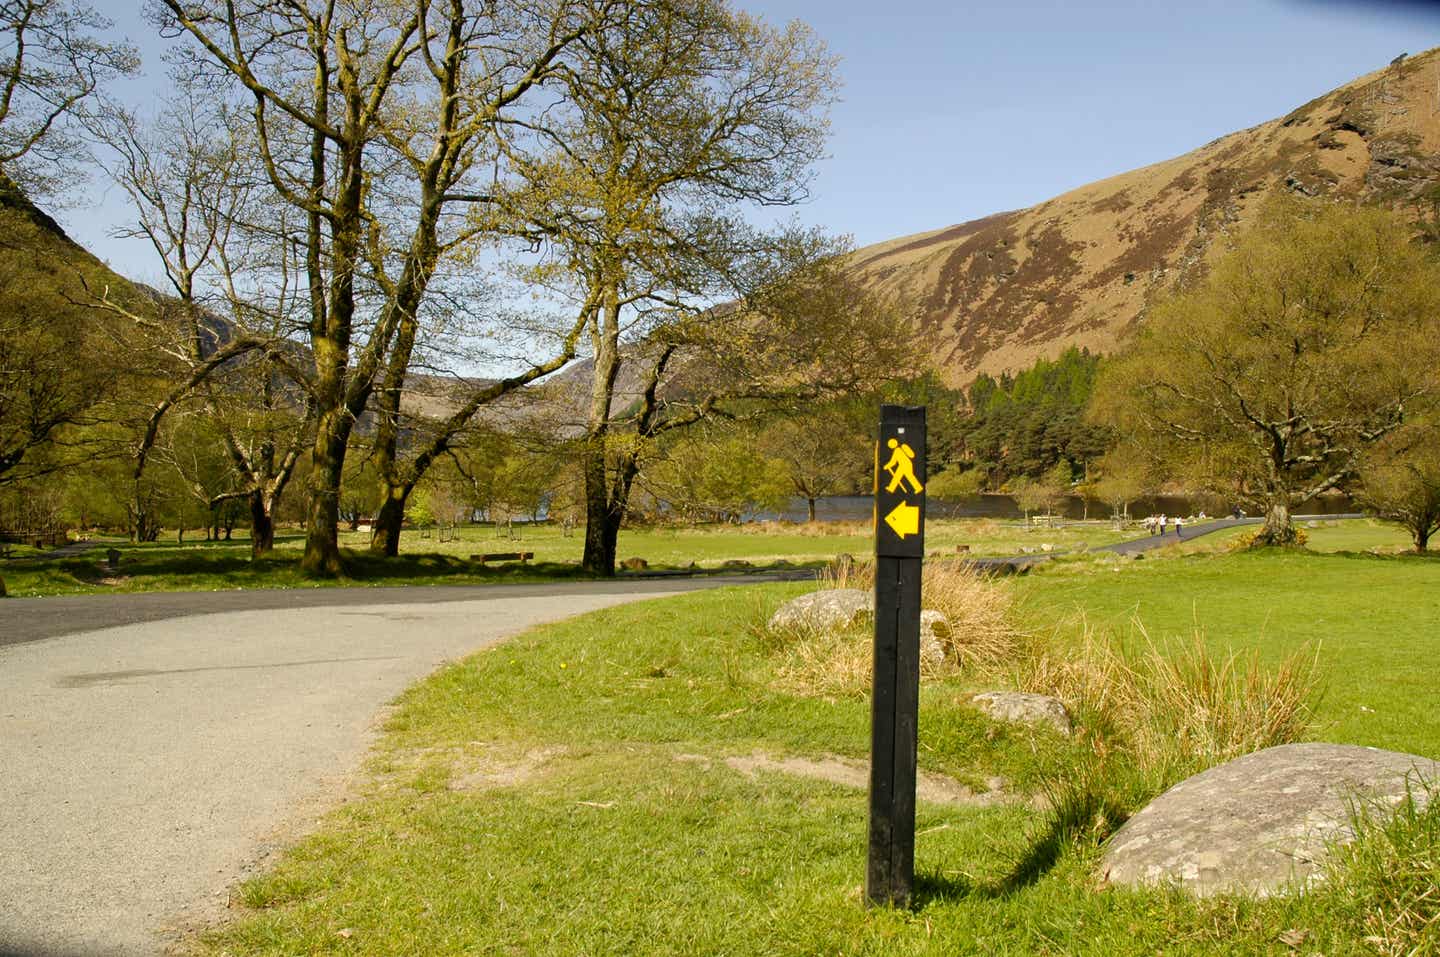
<point>999,292</point>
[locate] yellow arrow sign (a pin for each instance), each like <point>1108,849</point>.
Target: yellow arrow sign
<point>904,519</point>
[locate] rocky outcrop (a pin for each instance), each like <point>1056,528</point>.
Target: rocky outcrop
<point>1021,707</point>
<point>829,609</point>
<point>1261,824</point>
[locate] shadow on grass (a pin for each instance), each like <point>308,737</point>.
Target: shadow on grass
<point>1042,856</point>
<point>228,565</point>
<point>169,567</point>
<point>1405,556</point>
<point>1080,816</point>
<point>939,888</point>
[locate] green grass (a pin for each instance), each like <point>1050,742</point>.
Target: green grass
<point>568,792</point>
<point>198,565</point>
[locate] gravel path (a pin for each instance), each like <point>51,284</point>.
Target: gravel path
<point>145,766</point>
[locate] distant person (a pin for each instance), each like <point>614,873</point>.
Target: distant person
<point>1179,523</point>
<point>1160,524</point>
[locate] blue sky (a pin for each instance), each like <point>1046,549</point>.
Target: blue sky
<point>951,111</point>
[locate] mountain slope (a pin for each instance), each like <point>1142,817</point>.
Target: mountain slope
<point>999,292</point>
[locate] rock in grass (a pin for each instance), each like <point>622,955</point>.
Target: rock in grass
<point>1023,707</point>
<point>636,564</point>
<point>829,609</point>
<point>934,635</point>
<point>1261,824</point>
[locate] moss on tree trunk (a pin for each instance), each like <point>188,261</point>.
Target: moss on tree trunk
<point>1278,529</point>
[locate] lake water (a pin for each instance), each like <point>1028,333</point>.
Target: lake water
<point>853,508</point>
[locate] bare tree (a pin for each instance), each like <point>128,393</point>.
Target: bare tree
<point>232,271</point>
<point>53,61</point>
<point>631,183</point>
<point>368,117</point>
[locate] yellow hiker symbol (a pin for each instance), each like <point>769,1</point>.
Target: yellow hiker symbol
<point>902,467</point>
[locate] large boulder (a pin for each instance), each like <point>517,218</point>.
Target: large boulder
<point>1261,824</point>
<point>829,609</point>
<point>1022,707</point>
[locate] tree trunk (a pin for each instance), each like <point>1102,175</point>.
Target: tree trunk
<point>385,531</point>
<point>1422,537</point>
<point>322,519</point>
<point>602,531</point>
<point>810,510</point>
<point>602,516</point>
<point>262,527</point>
<point>1277,529</point>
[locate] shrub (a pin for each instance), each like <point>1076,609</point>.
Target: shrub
<point>1245,542</point>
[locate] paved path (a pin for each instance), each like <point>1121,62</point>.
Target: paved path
<point>1020,563</point>
<point>1149,542</point>
<point>143,766</point>
<point>1205,528</point>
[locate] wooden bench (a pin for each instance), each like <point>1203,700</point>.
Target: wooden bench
<point>521,557</point>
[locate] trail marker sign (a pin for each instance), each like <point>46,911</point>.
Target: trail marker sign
<point>900,477</point>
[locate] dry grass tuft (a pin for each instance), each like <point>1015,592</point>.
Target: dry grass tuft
<point>1151,715</point>
<point>835,665</point>
<point>848,573</point>
<point>979,638</point>
<point>825,529</point>
<point>1170,710</point>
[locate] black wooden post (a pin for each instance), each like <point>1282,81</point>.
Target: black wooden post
<point>900,478</point>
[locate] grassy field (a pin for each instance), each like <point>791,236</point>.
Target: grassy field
<point>425,560</point>
<point>593,787</point>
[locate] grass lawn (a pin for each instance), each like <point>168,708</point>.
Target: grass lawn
<point>1372,620</point>
<point>198,565</point>
<point>581,789</point>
